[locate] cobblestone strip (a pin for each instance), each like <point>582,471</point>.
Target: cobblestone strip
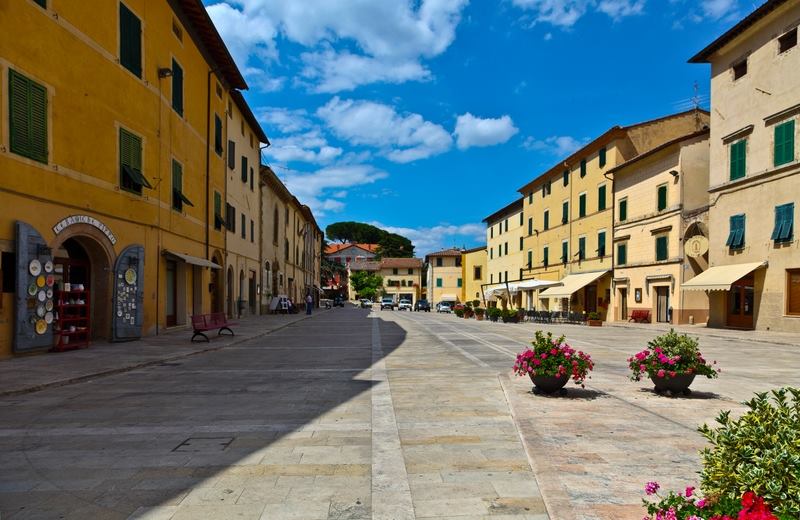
<point>391,492</point>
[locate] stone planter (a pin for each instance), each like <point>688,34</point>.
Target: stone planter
<point>479,317</point>
<point>673,385</point>
<point>549,384</point>
<point>594,323</point>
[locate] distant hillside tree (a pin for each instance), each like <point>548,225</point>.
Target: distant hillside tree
<point>393,245</point>
<point>390,245</point>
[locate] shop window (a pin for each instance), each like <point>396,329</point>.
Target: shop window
<point>785,42</point>
<point>601,155</point>
<point>784,143</point>
<point>622,254</point>
<point>177,87</point>
<point>130,41</point>
<point>736,233</point>
<point>661,197</point>
<point>739,69</point>
<point>27,117</point>
<point>130,162</point>
<point>784,223</point>
<point>217,135</point>
<point>623,210</point>
<point>601,244</point>
<point>792,291</point>
<point>738,159</point>
<point>662,248</point>
<point>601,197</point>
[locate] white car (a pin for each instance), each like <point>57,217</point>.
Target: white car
<point>443,307</point>
<point>365,303</point>
<point>404,305</point>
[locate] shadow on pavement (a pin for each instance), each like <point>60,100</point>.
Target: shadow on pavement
<point>293,405</point>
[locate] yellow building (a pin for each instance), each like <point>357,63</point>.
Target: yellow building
<point>754,278</point>
<point>111,161</point>
<point>568,214</point>
<point>444,276</point>
<point>661,232</point>
<point>243,207</point>
<point>505,232</point>
<point>473,273</point>
<point>402,278</point>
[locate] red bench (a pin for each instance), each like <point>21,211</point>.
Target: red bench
<point>202,323</point>
<point>640,316</point>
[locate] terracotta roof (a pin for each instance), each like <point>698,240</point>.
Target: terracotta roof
<point>704,131</point>
<point>446,252</point>
<point>212,42</point>
<point>335,248</point>
<point>511,208</point>
<point>365,265</point>
<point>736,30</point>
<point>390,263</point>
<point>238,98</point>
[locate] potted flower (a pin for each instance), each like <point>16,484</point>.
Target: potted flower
<point>459,313</point>
<point>550,363</point>
<point>494,313</point>
<point>594,320</point>
<point>671,361</point>
<point>479,311</point>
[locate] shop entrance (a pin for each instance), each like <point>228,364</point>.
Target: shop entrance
<point>740,303</point>
<point>590,297</point>
<point>662,304</point>
<point>623,303</point>
<point>172,293</point>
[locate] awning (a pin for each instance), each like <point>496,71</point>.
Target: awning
<point>530,285</point>
<point>720,278</point>
<point>448,298</point>
<point>189,259</point>
<point>571,283</point>
<point>493,291</point>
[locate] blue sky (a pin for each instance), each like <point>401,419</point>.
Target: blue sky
<point>425,116</point>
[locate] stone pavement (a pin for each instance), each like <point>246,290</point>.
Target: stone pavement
<point>41,370</point>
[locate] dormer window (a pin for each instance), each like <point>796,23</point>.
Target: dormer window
<point>739,69</point>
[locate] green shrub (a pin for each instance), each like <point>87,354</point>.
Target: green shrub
<point>479,311</point>
<point>459,313</point>
<point>494,313</point>
<point>594,316</point>
<point>759,452</point>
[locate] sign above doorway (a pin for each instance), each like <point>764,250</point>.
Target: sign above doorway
<point>84,219</point>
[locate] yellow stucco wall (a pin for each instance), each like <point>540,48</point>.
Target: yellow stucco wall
<point>450,274</point>
<point>473,263</point>
<point>410,284</point>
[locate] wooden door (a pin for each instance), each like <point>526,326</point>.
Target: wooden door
<point>741,299</point>
<point>172,293</point>
<point>591,298</point>
<point>623,303</point>
<point>662,304</point>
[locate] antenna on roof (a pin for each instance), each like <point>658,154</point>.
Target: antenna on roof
<point>696,97</point>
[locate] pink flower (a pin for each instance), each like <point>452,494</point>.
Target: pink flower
<point>661,373</point>
<point>700,503</point>
<point>651,487</point>
<point>689,491</point>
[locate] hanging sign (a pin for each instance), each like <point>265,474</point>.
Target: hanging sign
<point>84,219</point>
<point>696,246</point>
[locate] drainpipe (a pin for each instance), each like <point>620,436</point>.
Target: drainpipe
<point>208,158</point>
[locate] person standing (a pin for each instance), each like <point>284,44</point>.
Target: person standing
<point>309,304</point>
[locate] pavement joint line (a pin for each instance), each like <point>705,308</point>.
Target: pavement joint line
<point>130,368</point>
<point>391,491</point>
<point>449,343</point>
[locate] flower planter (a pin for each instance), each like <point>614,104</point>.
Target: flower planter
<point>549,384</point>
<point>675,385</point>
<point>479,317</point>
<point>595,323</point>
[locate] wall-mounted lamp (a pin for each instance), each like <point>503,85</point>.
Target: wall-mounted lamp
<point>164,72</point>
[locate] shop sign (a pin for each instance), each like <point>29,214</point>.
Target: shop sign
<point>84,219</point>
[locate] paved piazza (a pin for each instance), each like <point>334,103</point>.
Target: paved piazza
<point>351,415</point>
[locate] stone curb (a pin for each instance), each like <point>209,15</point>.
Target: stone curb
<point>130,368</point>
<point>699,333</point>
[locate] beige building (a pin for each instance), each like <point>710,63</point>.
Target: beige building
<point>371,266</point>
<point>568,213</point>
<point>444,276</point>
<point>473,274</point>
<point>507,257</point>
<point>661,201</point>
<point>242,208</point>
<point>754,275</point>
<point>402,278</point>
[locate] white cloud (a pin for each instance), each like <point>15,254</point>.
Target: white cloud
<point>429,239</point>
<point>618,9</point>
<point>400,137</point>
<point>720,9</point>
<point>566,13</point>
<point>308,147</point>
<point>387,39</point>
<point>322,190</point>
<point>475,131</point>
<point>558,145</point>
<point>284,120</point>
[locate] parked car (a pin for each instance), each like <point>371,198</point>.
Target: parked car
<point>443,307</point>
<point>404,305</point>
<point>338,302</point>
<point>365,303</point>
<point>387,303</point>
<point>422,305</point>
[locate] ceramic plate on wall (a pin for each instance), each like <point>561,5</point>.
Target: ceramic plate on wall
<point>41,327</point>
<point>40,310</point>
<point>32,289</point>
<point>42,296</point>
<point>130,276</point>
<point>49,293</point>
<point>35,267</point>
<point>48,318</point>
<point>48,305</point>
<point>41,281</point>
<point>48,267</point>
<point>50,280</point>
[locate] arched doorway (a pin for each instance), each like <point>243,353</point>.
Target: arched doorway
<point>229,289</point>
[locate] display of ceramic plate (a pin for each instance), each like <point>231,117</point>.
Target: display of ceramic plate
<point>49,293</point>
<point>42,296</point>
<point>119,314</point>
<point>48,318</point>
<point>40,311</point>
<point>41,281</point>
<point>130,276</point>
<point>32,289</point>
<point>41,327</point>
<point>50,280</point>
<point>35,267</point>
<point>48,267</point>
<point>48,305</point>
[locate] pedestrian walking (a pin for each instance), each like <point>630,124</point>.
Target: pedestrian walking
<point>309,304</point>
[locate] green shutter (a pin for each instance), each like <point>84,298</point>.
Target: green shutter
<point>177,185</point>
<point>583,167</point>
<point>581,248</point>
<point>438,282</point>
<point>661,248</point>
<point>130,162</point>
<point>177,87</point>
<point>42,3</point>
<point>602,156</point>
<point>601,244</point>
<point>546,256</point>
<point>520,243</point>
<point>27,117</point>
<point>662,198</point>
<point>546,220</point>
<point>784,223</point>
<point>244,168</point>
<point>458,284</point>
<point>582,205</point>
<point>784,143</point>
<point>564,252</point>
<point>130,40</point>
<point>738,159</point>
<point>217,134</point>
<point>622,254</point>
<point>736,233</point>
<point>623,210</point>
<point>530,259</point>
<point>566,177</point>
<point>601,198</point>
<point>565,212</point>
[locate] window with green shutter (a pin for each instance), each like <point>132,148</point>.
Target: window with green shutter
<point>738,153</point>
<point>602,156</point>
<point>218,135</point>
<point>566,177</point>
<point>565,212</point>
<point>564,252</point>
<point>582,248</point>
<point>662,252</point>
<point>252,177</point>
<point>243,229</point>
<point>530,225</point>
<point>623,210</point>
<point>505,248</point>
<point>546,256</point>
<point>622,254</point>
<point>130,41</point>
<point>177,87</point>
<point>784,143</point>
<point>130,162</point>
<point>520,243</point>
<point>458,282</point>
<point>581,205</point>
<point>219,221</point>
<point>42,3</point>
<point>583,167</point>
<point>438,282</point>
<point>601,244</point>
<point>27,110</point>
<point>601,197</point>
<point>546,220</point>
<point>530,259</point>
<point>736,233</point>
<point>244,168</point>
<point>784,223</point>
<point>178,198</point>
<point>662,197</point>
<point>231,154</point>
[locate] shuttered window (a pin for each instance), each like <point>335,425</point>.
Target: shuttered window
<point>784,143</point>
<point>130,162</point>
<point>582,205</point>
<point>566,177</point>
<point>546,220</point>
<point>662,251</point>
<point>601,244</point>
<point>244,168</point>
<point>583,167</point>
<point>252,176</point>
<point>546,256</point>
<point>178,198</point>
<point>27,117</point>
<point>177,87</point>
<point>622,254</point>
<point>217,135</point>
<point>42,3</point>
<point>243,229</point>
<point>564,252</point>
<point>130,41</point>
<point>530,225</point>
<point>564,212</point>
<point>623,210</point>
<point>219,221</point>
<point>230,218</point>
<point>662,197</point>
<point>738,155</point>
<point>530,259</point>
<point>438,282</point>
<point>602,156</point>
<point>784,223</point>
<point>601,197</point>
<point>582,248</point>
<point>736,233</point>
<point>520,243</point>
<point>231,155</point>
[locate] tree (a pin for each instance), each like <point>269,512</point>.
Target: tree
<point>356,232</point>
<point>392,245</point>
<point>366,284</point>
